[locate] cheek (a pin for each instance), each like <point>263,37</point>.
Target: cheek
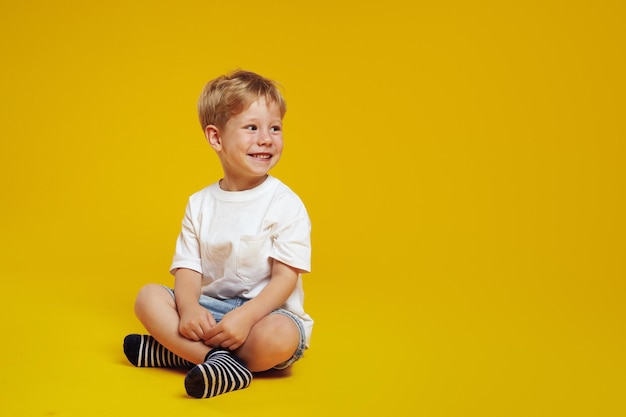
<point>278,144</point>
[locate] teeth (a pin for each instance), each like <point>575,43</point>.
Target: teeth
<point>264,156</point>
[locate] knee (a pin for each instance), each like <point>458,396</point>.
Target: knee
<point>280,335</point>
<point>147,296</point>
<point>273,340</point>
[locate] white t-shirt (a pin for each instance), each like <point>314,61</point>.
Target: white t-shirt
<point>230,237</point>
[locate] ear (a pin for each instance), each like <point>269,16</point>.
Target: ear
<point>212,134</point>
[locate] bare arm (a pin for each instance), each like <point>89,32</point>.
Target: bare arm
<point>234,328</point>
<point>195,320</point>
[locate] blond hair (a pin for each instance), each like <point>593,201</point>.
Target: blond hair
<point>228,95</point>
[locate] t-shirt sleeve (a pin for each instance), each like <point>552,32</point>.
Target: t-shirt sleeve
<point>292,241</point>
<point>187,254</point>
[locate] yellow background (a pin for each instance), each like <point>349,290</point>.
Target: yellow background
<point>462,163</point>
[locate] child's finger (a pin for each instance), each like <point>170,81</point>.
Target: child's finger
<point>211,319</point>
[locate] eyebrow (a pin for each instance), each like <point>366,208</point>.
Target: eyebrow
<point>257,120</point>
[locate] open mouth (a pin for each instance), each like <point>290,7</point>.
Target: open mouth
<point>260,156</point>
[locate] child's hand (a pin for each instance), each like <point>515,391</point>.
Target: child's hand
<point>231,332</point>
<point>195,323</point>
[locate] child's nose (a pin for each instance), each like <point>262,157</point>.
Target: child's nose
<point>265,138</point>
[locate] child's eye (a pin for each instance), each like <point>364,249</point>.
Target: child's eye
<point>275,129</point>
<point>251,127</point>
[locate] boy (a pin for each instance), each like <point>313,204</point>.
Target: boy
<point>237,302</point>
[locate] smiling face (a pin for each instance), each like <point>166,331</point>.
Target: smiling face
<point>249,145</point>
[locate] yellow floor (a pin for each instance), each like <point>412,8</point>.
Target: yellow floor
<point>462,163</point>
<point>449,350</point>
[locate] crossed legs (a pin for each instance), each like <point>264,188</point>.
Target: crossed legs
<point>271,341</point>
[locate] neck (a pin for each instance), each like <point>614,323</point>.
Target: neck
<point>227,184</point>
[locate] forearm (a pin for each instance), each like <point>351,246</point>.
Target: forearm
<point>275,294</point>
<point>187,287</point>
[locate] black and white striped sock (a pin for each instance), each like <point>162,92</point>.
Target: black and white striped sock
<point>142,350</point>
<point>220,373</point>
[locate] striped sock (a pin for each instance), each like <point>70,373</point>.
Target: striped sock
<point>143,351</point>
<point>220,373</point>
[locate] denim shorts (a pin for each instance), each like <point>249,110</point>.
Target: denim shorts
<point>219,308</point>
